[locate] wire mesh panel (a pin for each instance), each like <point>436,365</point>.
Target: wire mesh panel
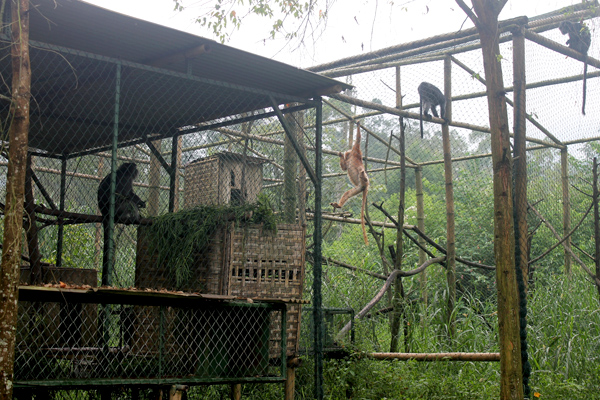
<point>67,343</point>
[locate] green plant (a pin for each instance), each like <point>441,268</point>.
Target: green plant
<point>178,237</point>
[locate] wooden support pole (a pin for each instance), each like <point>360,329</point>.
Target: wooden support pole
<point>154,182</point>
<point>98,226</point>
<point>290,381</point>
<point>399,295</point>
<point>596,199</point>
<point>450,225</point>
<point>35,258</point>
<point>301,170</point>
<point>290,172</point>
<point>236,391</point>
<point>566,203</point>
<point>421,226</point>
<point>520,153</point>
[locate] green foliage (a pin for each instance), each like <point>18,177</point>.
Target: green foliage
<point>232,12</point>
<point>178,237</point>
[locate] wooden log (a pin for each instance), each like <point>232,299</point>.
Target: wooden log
<point>436,356</point>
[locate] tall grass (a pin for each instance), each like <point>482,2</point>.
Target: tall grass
<point>564,349</point>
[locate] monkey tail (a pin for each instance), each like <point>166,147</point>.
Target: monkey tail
<point>584,85</point>
<point>421,116</point>
<point>362,215</point>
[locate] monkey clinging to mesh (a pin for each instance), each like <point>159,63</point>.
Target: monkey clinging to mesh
<point>579,40</point>
<point>430,97</point>
<point>352,162</point>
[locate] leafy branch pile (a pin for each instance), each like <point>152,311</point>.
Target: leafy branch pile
<point>176,238</point>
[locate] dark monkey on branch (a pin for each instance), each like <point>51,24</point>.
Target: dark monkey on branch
<point>429,98</point>
<point>579,40</point>
<point>352,162</point>
<point>127,203</point>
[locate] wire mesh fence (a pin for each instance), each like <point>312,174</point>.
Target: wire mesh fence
<point>208,200</point>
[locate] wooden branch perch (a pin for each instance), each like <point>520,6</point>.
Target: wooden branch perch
<point>436,356</point>
<point>384,289</point>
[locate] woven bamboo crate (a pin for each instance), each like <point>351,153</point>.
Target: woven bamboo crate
<point>267,265</point>
<point>223,178</point>
<point>242,261</point>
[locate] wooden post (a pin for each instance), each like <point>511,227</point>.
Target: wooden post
<point>236,391</point>
<point>290,174</point>
<point>398,298</point>
<point>596,199</point>
<point>15,187</point>
<point>99,231</point>
<point>484,15</point>
<point>154,182</point>
<point>290,380</point>
<point>520,153</point>
<point>176,392</point>
<point>421,226</point>
<point>564,172</point>
<point>35,258</point>
<point>450,227</point>
<point>176,173</point>
<point>301,170</point>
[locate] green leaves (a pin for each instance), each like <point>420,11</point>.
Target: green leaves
<point>231,13</point>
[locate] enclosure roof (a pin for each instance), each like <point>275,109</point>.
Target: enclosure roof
<point>83,27</point>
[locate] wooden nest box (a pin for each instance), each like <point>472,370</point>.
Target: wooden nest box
<point>223,178</point>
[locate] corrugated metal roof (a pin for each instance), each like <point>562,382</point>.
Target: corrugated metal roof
<point>82,26</point>
<point>74,95</point>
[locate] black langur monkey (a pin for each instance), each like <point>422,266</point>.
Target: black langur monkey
<point>579,40</point>
<point>430,97</point>
<point>127,204</point>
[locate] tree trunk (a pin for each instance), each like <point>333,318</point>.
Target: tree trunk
<point>486,21</point>
<point>15,186</point>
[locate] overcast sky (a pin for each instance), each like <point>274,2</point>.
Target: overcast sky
<point>354,26</point>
